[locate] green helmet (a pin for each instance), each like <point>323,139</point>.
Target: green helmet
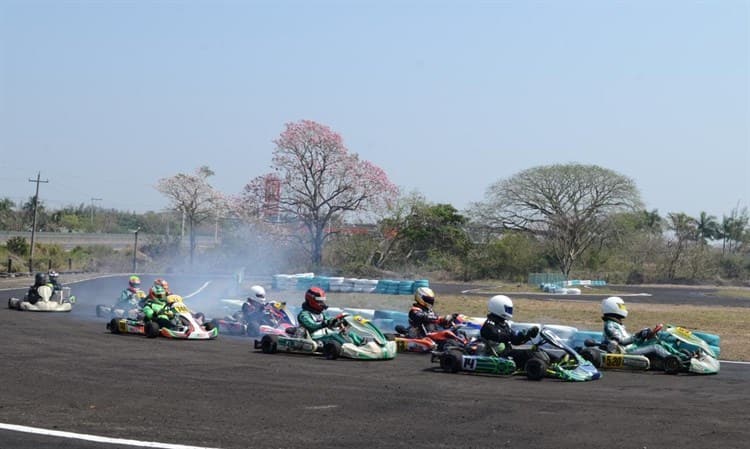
<point>157,291</point>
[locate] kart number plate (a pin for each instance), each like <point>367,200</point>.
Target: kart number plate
<point>683,332</point>
<point>613,361</point>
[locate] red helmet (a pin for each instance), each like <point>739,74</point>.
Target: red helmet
<point>316,299</point>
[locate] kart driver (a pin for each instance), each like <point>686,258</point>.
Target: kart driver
<point>54,280</point>
<point>498,334</point>
<point>132,297</point>
<point>253,309</point>
<point>32,295</point>
<point>311,317</point>
<point>422,319</point>
<point>616,337</point>
<point>156,308</point>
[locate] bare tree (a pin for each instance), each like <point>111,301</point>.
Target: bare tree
<point>319,181</point>
<point>194,197</point>
<point>566,204</point>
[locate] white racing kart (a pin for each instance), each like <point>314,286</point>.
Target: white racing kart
<point>49,301</point>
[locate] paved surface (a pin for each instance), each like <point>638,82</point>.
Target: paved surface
<point>65,372</point>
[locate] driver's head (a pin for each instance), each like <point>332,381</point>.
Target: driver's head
<point>501,306</point>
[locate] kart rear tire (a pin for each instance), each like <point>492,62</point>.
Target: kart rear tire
<point>332,350</point>
<point>672,364</point>
<point>451,360</point>
<point>269,344</point>
<point>209,326</point>
<point>152,329</point>
<point>450,343</point>
<point>535,368</point>
<point>113,326</point>
<point>593,356</point>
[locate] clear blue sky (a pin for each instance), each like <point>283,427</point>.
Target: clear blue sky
<point>106,97</point>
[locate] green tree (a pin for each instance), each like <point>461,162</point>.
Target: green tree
<point>685,231</point>
<point>567,205</point>
<point>707,227</point>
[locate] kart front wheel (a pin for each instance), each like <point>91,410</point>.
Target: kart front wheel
<point>152,329</point>
<point>450,362</point>
<point>592,355</point>
<point>269,344</point>
<point>332,350</point>
<point>114,326</point>
<point>209,326</point>
<point>672,364</point>
<point>535,369</point>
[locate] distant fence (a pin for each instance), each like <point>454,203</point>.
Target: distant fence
<point>70,240</point>
<point>546,278</point>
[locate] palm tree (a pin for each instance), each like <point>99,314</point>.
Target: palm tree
<point>707,227</point>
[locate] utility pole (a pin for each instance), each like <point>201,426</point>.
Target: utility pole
<point>135,250</point>
<point>92,211</point>
<point>33,221</point>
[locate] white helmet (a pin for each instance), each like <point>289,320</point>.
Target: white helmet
<point>258,292</point>
<point>501,306</point>
<point>614,305</point>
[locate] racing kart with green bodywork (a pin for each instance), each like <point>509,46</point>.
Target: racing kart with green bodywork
<point>345,336</point>
<point>679,351</point>
<point>181,324</point>
<point>549,357</point>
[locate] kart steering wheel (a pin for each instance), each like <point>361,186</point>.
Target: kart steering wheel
<point>337,320</point>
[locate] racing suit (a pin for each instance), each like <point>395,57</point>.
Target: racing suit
<point>316,324</point>
<point>252,315</point>
<point>131,298</point>
<point>156,310</point>
<point>56,286</point>
<point>617,339</point>
<point>423,321</point>
<point>311,320</point>
<point>499,339</point>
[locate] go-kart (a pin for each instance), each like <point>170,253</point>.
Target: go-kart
<point>346,336</point>
<point>129,309</point>
<point>275,318</point>
<point>50,300</point>
<point>550,357</point>
<point>183,325</point>
<point>682,351</point>
<point>453,335</point>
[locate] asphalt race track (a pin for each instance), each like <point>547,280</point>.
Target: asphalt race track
<point>65,372</point>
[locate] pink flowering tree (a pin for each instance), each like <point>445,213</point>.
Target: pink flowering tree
<point>194,197</point>
<point>316,182</point>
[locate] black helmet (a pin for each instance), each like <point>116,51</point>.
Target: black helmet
<point>40,278</point>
